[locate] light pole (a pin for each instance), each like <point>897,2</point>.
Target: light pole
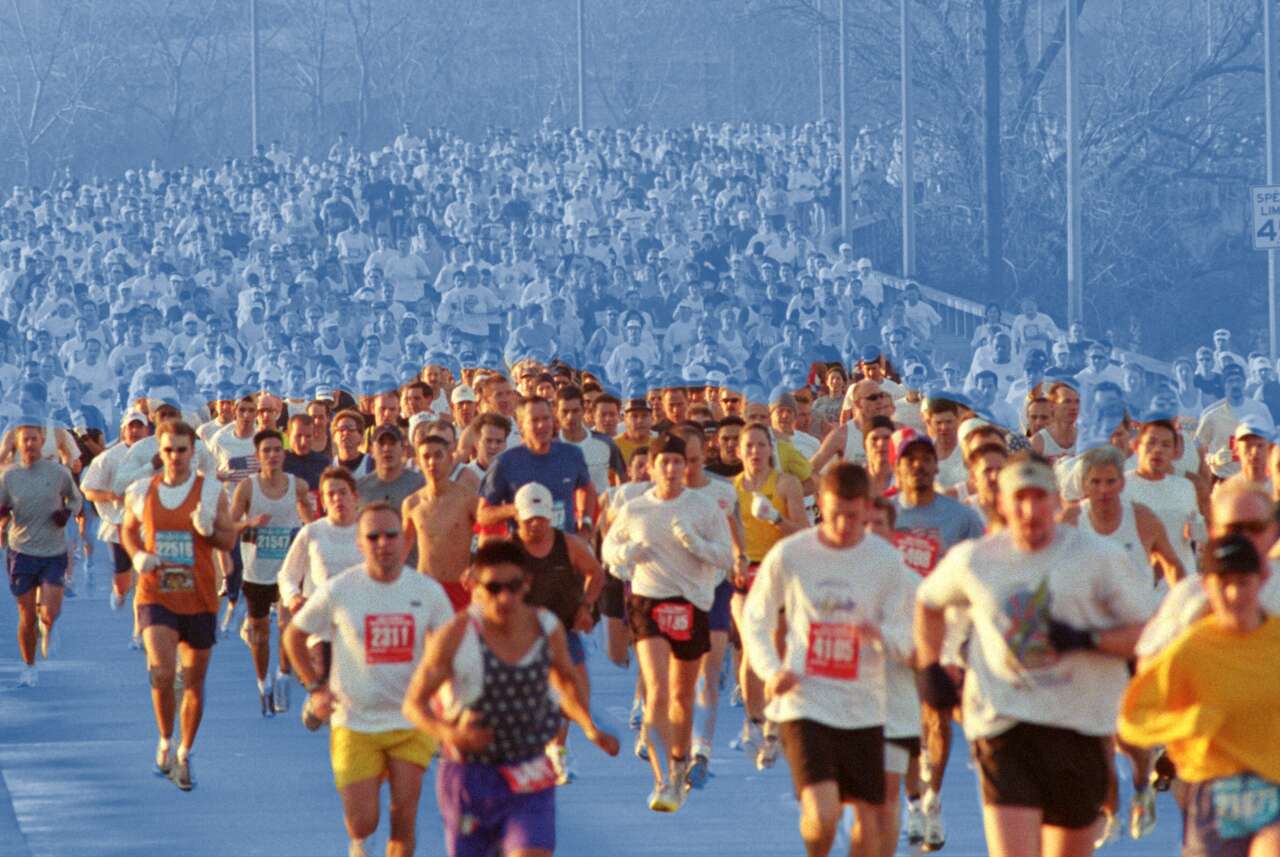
<point>1075,270</point>
<point>908,151</point>
<point>844,123</point>
<point>1269,69</point>
<point>582,64</point>
<point>253,77</point>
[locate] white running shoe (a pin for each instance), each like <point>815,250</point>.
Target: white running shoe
<point>116,600</point>
<point>1142,813</point>
<point>29,676</point>
<point>935,834</point>
<point>280,694</point>
<point>750,737</point>
<point>164,759</point>
<point>180,774</point>
<point>641,751</point>
<point>1111,831</point>
<point>356,849</point>
<point>914,828</point>
<point>135,643</point>
<point>636,719</point>
<point>664,798</point>
<point>767,754</point>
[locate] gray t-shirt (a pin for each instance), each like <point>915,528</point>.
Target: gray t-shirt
<point>33,494</point>
<point>373,489</point>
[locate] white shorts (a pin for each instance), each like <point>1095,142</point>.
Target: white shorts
<point>896,759</point>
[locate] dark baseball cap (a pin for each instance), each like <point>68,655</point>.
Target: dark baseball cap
<point>1232,554</point>
<point>386,430</point>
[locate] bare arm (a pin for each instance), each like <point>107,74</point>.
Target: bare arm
<point>564,679</point>
<point>1156,542</point>
<point>585,563</point>
<point>831,446</point>
<point>795,519</point>
<point>303,502</point>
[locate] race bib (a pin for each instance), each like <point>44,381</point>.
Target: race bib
<point>534,775</point>
<point>388,638</point>
<point>919,551</point>
<point>1244,804</point>
<point>273,542</point>
<point>177,556</point>
<point>833,651</point>
<point>674,620</point>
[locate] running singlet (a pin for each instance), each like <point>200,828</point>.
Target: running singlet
<point>1126,536</point>
<point>184,582</point>
<point>264,548</point>
<point>759,535</point>
<point>553,582</point>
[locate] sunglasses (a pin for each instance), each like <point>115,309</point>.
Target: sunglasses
<point>875,397</point>
<point>379,535</point>
<point>497,587</point>
<point>1253,527</point>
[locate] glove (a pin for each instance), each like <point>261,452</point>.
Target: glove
<point>61,517</point>
<point>694,544</point>
<point>762,509</point>
<point>1068,638</point>
<point>202,520</point>
<point>936,687</point>
<point>144,562</point>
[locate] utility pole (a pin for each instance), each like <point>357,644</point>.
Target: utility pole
<point>993,178</point>
<point>822,73</point>
<point>1075,270</point>
<point>582,65</point>
<point>908,149</point>
<point>253,77</point>
<point>844,123</point>
<point>1270,66</point>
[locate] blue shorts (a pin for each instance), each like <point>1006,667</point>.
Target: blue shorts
<point>197,630</point>
<point>26,572</point>
<point>577,652</point>
<point>720,618</point>
<point>1223,815</point>
<point>482,816</point>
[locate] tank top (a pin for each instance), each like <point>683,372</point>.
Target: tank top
<point>554,584</point>
<point>264,548</point>
<point>1125,535</point>
<point>1052,449</point>
<point>759,535</point>
<point>184,582</point>
<point>515,704</point>
<point>854,449</point>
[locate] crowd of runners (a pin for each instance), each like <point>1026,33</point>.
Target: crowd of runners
<point>425,418</point>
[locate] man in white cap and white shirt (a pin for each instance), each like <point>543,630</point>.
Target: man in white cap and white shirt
<point>1219,421</point>
<point>463,403</point>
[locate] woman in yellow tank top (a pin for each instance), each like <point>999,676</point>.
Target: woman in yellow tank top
<point>772,506</point>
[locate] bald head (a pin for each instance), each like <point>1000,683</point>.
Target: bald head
<point>1239,508</point>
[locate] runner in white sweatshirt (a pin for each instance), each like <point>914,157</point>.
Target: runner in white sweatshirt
<point>847,599</point>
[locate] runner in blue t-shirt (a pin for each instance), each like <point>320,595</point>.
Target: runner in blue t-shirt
<point>559,466</point>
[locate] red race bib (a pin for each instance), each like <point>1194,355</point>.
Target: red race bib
<point>388,638</point>
<point>674,620</point>
<point>833,651</point>
<point>919,551</point>
<point>533,775</point>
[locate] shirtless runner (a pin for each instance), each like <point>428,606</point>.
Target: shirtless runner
<point>436,514</point>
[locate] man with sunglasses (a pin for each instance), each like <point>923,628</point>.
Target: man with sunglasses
<point>493,667</point>
<point>868,399</point>
<point>377,615</point>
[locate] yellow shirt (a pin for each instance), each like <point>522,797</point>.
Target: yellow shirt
<point>792,461</point>
<point>1212,697</point>
<point>627,446</point>
<point>759,535</point>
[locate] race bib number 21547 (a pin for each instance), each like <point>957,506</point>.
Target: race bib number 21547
<point>388,638</point>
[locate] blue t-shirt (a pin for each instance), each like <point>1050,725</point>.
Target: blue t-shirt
<point>561,470</point>
<point>926,533</point>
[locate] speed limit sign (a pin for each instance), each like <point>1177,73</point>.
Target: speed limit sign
<point>1266,217</point>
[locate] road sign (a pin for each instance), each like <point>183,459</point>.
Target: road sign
<point>1266,217</point>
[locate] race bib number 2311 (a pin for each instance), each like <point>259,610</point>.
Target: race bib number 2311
<point>388,638</point>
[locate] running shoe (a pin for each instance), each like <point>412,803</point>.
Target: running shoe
<point>641,751</point>
<point>748,738</point>
<point>180,774</point>
<point>767,754</point>
<point>1163,773</point>
<point>29,676</point>
<point>914,828</point>
<point>264,698</point>
<point>1142,813</point>
<point>735,698</point>
<point>636,718</point>
<point>559,758</point>
<point>135,643</point>
<point>280,694</point>
<point>164,760</point>
<point>116,601</point>
<point>1110,830</point>
<point>664,798</point>
<point>356,849</point>
<point>699,772</point>
<point>935,834</point>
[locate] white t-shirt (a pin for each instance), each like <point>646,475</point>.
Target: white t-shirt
<point>596,452</point>
<point>320,551</point>
<point>1014,674</point>
<point>100,475</point>
<point>377,630</point>
<point>137,462</point>
<point>671,570</point>
<point>1186,603</point>
<point>234,454</point>
<point>826,592</point>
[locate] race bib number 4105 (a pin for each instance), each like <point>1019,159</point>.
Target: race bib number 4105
<point>833,651</point>
<point>388,638</point>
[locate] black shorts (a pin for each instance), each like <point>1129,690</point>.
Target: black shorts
<point>910,744</point>
<point>260,597</point>
<point>675,620</point>
<point>120,559</point>
<point>197,630</point>
<point>613,598</point>
<point>1059,771</point>
<point>851,758</point>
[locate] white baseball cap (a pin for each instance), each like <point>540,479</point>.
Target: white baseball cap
<point>462,393</point>
<point>533,500</point>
